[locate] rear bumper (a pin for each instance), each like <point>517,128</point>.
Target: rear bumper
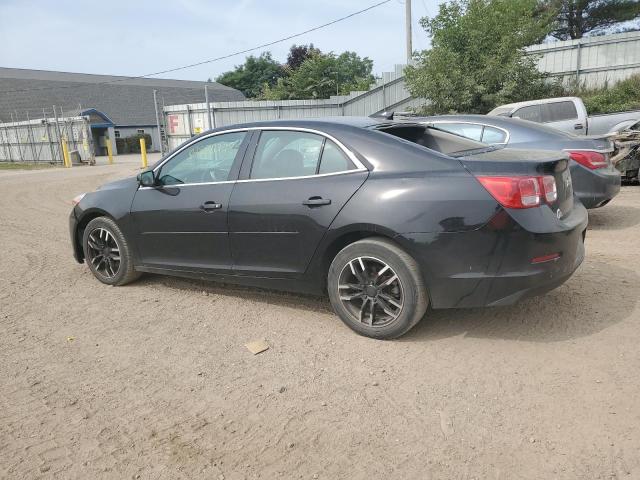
<point>595,188</point>
<point>532,283</point>
<point>493,265</point>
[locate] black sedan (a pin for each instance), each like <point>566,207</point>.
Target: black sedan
<point>595,180</point>
<point>386,217</point>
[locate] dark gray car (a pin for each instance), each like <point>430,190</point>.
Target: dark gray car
<point>595,179</point>
<point>384,217</point>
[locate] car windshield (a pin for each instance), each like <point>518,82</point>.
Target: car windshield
<point>501,111</point>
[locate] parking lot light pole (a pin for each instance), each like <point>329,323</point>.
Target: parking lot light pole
<point>407,20</point>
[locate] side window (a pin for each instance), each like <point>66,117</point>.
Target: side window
<point>468,130</point>
<point>333,159</point>
<point>558,111</point>
<point>208,160</point>
<point>531,113</point>
<point>282,153</point>
<point>493,135</point>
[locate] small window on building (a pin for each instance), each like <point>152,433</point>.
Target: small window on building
<point>117,133</point>
<point>141,131</point>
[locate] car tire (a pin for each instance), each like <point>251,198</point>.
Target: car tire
<point>103,243</point>
<point>361,281</point>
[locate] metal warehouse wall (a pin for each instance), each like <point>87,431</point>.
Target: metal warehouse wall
<point>40,141</point>
<point>389,93</point>
<point>593,60</point>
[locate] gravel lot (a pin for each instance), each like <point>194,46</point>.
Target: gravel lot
<point>152,380</point>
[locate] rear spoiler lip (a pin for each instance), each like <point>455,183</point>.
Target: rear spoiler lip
<point>597,150</point>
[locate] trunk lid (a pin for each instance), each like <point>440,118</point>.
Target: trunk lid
<point>516,162</point>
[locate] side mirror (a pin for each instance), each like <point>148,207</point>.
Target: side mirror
<point>147,179</point>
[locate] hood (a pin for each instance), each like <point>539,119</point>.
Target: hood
<point>122,183</point>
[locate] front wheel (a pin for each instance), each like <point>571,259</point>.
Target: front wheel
<point>376,288</point>
<point>107,252</point>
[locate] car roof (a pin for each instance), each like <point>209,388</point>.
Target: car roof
<point>536,102</point>
<point>320,122</point>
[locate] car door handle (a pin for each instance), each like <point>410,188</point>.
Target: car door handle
<point>210,206</point>
<point>578,126</point>
<point>316,201</point>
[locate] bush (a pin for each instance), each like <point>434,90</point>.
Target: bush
<point>131,144</point>
<point>622,96</point>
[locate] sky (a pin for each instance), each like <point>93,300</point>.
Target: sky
<point>136,37</point>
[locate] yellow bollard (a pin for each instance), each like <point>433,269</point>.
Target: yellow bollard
<point>109,150</point>
<point>143,152</point>
<point>65,153</point>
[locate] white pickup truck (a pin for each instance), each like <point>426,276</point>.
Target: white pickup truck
<point>569,115</point>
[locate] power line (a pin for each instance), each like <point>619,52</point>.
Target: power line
<point>204,62</point>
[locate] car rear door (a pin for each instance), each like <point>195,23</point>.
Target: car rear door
<point>286,198</point>
<point>182,223</point>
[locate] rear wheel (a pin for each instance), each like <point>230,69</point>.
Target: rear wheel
<point>107,252</point>
<point>376,288</point>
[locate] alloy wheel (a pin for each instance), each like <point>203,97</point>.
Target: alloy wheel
<point>104,252</point>
<point>371,291</point>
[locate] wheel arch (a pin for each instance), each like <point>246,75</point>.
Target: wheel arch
<point>351,235</point>
<point>83,221</point>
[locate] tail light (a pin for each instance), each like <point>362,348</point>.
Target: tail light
<point>590,159</point>
<point>521,192</point>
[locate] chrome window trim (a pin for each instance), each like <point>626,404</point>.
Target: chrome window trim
<point>180,185</point>
<point>343,172</point>
<point>467,122</point>
<point>350,155</point>
<point>188,184</point>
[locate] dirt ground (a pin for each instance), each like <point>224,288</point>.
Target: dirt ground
<point>152,380</point>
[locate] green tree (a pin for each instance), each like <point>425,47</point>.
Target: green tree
<point>577,18</point>
<point>251,76</point>
<point>322,75</point>
<point>477,59</point>
<point>298,54</point>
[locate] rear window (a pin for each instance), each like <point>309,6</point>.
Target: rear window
<point>558,111</point>
<point>501,111</point>
<point>469,130</point>
<point>433,138</point>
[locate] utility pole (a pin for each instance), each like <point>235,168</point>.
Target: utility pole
<point>206,99</point>
<point>407,10</point>
<point>160,132</point>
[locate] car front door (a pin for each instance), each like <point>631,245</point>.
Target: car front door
<point>182,222</point>
<point>287,198</point>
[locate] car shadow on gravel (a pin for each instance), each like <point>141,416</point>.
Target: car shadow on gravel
<point>311,303</point>
<point>598,296</point>
<point>614,217</point>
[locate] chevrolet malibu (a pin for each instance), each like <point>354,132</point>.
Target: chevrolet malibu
<point>388,218</point>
